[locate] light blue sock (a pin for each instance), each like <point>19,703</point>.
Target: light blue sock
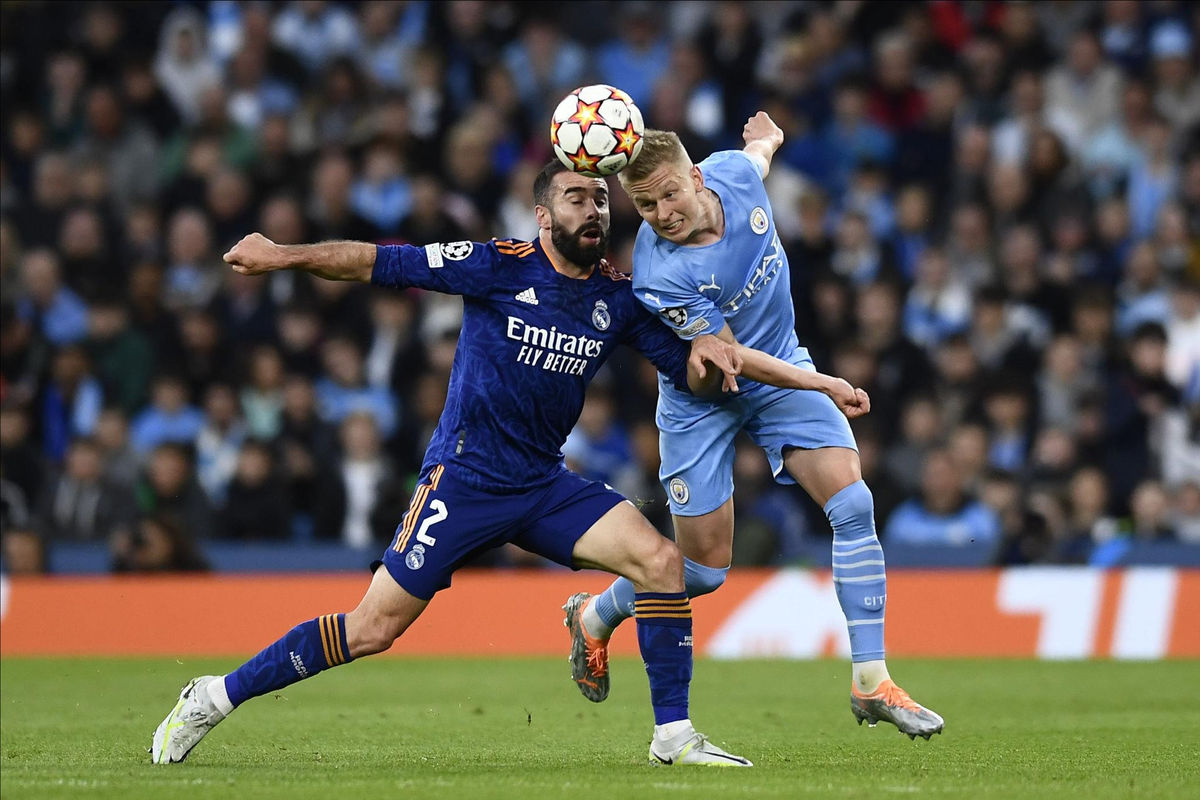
<point>859,576</point>
<point>615,604</point>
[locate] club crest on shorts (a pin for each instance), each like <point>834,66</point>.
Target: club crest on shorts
<point>679,490</point>
<point>758,220</point>
<point>457,251</point>
<point>416,557</point>
<point>600,316</point>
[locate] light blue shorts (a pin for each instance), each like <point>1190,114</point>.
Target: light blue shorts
<point>696,439</point>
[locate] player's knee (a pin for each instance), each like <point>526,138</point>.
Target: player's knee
<point>701,579</point>
<point>662,567</point>
<point>855,502</point>
<point>373,633</point>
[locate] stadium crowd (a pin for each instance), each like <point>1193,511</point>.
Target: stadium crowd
<point>991,211</point>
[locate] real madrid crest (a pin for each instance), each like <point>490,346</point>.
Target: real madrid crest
<point>416,557</point>
<point>679,490</point>
<point>758,220</point>
<point>600,316</point>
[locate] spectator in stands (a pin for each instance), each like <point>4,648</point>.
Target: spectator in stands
<point>344,390</point>
<point>598,447</point>
<point>1186,511</point>
<point>22,552</point>
<point>123,358</point>
<point>1150,513</point>
<point>359,500</point>
<point>81,504</point>
<point>169,489</point>
<point>256,504</point>
<point>942,514</point>
<point>183,66</point>
<point>51,308</point>
<point>121,463</point>
<point>70,403</point>
<point>262,395</point>
<point>219,442</point>
<point>156,544</point>
<point>920,431</point>
<point>168,418</point>
<point>1085,88</point>
<point>938,304</point>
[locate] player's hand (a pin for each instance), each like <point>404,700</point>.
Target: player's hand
<point>722,355</point>
<point>761,128</point>
<point>852,402</point>
<point>254,255</point>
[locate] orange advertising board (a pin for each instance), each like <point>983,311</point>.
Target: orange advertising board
<point>1051,612</point>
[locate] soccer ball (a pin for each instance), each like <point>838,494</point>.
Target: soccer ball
<point>597,130</point>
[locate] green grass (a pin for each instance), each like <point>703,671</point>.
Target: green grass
<point>417,728</point>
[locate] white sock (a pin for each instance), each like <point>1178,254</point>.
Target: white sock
<point>673,730</point>
<point>869,674</point>
<point>592,622</point>
<point>220,697</point>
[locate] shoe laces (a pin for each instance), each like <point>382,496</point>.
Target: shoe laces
<point>597,659</point>
<point>893,695</point>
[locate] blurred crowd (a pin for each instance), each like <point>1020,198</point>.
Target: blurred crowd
<point>990,209</point>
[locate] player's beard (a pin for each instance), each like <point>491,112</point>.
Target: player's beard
<point>571,244</point>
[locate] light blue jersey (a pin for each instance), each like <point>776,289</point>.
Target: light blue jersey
<point>742,280</point>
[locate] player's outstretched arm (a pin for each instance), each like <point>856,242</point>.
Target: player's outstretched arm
<point>763,137</point>
<point>758,366</point>
<point>334,261</point>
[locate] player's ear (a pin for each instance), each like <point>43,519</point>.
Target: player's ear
<point>697,178</point>
<point>543,217</point>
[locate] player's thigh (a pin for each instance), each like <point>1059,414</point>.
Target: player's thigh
<point>448,523</point>
<point>707,539</point>
<point>823,472</point>
<point>806,430</point>
<point>625,543</point>
<point>695,444</point>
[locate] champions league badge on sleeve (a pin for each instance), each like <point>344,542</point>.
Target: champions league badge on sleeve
<point>600,316</point>
<point>416,557</point>
<point>679,491</point>
<point>457,251</point>
<point>677,316</point>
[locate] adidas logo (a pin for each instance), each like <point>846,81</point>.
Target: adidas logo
<point>528,296</point>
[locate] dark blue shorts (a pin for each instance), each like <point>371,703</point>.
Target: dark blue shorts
<point>449,523</point>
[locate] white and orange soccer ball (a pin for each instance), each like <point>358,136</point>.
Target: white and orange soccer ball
<point>597,130</point>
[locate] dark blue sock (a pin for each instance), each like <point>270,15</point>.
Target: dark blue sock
<point>664,629</point>
<point>305,650</point>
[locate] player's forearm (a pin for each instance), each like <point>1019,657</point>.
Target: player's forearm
<point>762,150</point>
<point>763,368</point>
<point>333,261</point>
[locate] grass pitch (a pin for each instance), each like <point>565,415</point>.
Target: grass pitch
<point>518,729</point>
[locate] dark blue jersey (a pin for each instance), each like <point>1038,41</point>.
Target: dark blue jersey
<point>532,339</point>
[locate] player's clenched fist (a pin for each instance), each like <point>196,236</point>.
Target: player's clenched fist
<point>852,402</point>
<point>761,128</point>
<point>254,255</point>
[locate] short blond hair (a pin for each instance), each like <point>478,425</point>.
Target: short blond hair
<point>658,148</point>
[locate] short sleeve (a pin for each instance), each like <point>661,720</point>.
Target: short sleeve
<point>465,268</point>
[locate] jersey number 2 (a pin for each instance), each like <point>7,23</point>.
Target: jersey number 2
<point>439,514</point>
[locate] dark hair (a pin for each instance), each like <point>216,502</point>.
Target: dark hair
<point>541,184</point>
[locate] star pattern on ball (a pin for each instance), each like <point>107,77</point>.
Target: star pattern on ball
<point>583,162</point>
<point>626,139</point>
<point>585,115</point>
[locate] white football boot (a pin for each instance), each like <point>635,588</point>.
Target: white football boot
<point>192,717</point>
<point>693,749</point>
